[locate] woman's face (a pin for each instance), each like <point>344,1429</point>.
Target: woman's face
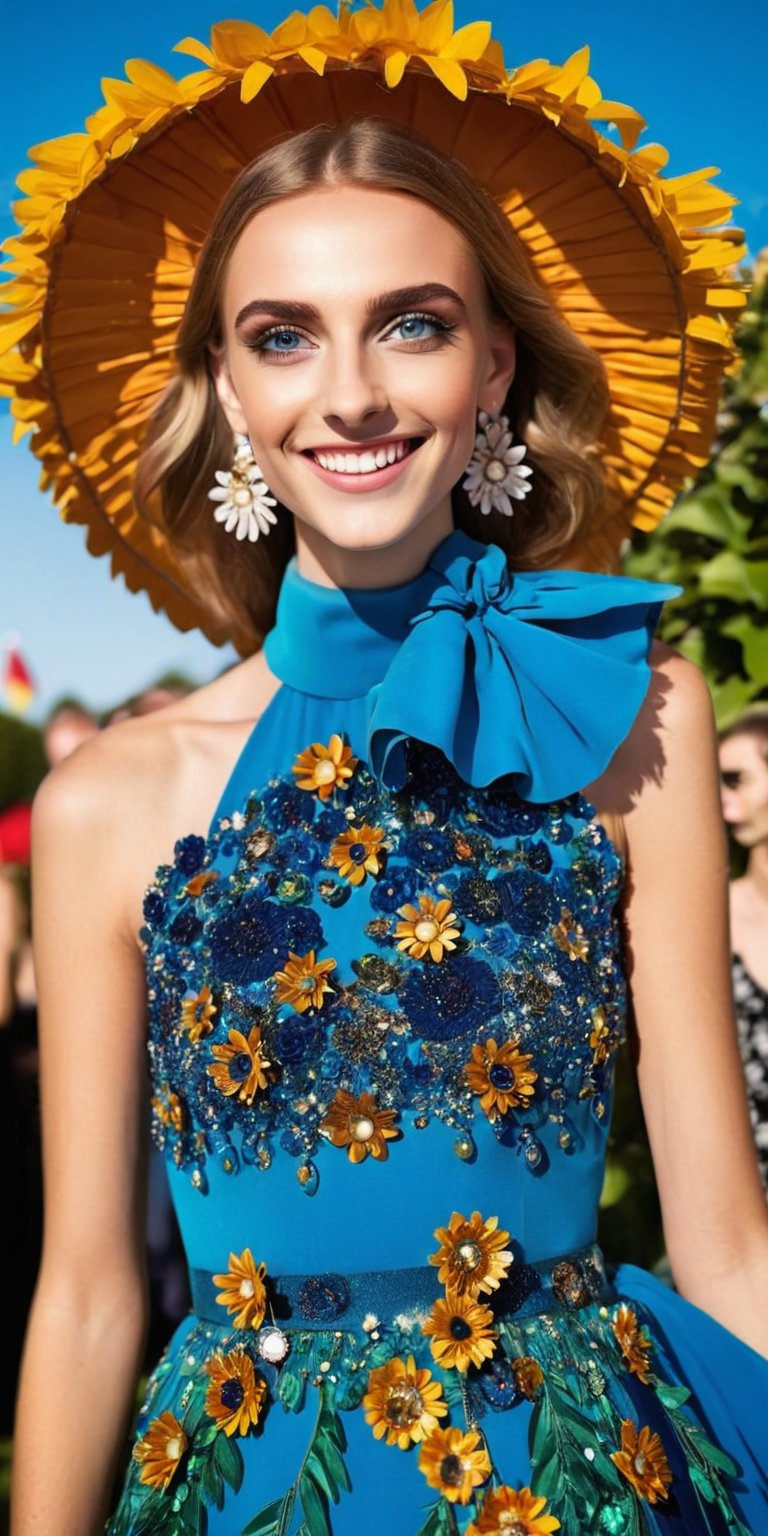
<point>744,789</point>
<point>357,350</point>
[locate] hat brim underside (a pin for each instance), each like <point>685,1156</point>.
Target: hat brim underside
<point>622,264</point>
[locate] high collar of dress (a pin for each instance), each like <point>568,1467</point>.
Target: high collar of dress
<point>534,678</point>
<point>338,642</point>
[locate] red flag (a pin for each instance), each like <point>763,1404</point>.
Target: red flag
<point>19,687</point>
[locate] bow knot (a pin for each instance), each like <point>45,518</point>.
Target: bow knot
<point>534,679</point>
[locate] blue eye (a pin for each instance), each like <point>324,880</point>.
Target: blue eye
<point>281,341</point>
<point>418,327</point>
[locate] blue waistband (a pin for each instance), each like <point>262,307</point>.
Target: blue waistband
<point>333,1300</point>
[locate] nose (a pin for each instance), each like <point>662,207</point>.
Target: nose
<point>354,390</point>
<point>729,802</point>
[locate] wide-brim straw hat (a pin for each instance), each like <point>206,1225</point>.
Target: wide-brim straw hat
<point>639,265</point>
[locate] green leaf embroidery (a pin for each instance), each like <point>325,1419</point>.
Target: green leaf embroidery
<point>440,1521</point>
<point>671,1397</point>
<point>320,1481</point>
<point>212,1482</point>
<point>273,1519</point>
<point>229,1460</point>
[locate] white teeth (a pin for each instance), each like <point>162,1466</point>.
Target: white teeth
<point>363,463</point>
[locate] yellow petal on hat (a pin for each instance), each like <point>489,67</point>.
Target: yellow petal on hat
<point>450,74</point>
<point>196,50</point>
<point>313,57</point>
<point>237,43</point>
<point>402,18</point>
<point>394,67</point>
<point>256,75</point>
<point>571,74</point>
<point>469,42</point>
<point>629,122</point>
<point>368,26</point>
<point>154,81</point>
<point>60,155</point>
<point>321,21</point>
<point>14,327</point>
<point>436,25</point>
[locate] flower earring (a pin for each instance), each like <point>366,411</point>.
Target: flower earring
<point>496,475</point>
<point>246,505</point>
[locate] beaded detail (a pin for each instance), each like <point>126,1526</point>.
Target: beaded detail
<point>487,981</point>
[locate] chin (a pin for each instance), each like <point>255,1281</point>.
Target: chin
<point>367,531</point>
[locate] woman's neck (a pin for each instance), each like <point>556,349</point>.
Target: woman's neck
<point>757,872</point>
<point>330,565</point>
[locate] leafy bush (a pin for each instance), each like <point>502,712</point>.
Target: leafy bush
<point>714,542</point>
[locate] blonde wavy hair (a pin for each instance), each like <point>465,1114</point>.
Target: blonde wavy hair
<point>557,402</point>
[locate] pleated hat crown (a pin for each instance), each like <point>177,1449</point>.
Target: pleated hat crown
<point>639,265</point>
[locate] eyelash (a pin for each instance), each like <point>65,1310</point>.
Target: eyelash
<point>258,343</point>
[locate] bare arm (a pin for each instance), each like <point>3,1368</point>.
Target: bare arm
<point>87,1326</point>
<point>690,1074</point>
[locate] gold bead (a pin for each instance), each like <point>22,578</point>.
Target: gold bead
<point>468,1255</point>
<point>426,930</point>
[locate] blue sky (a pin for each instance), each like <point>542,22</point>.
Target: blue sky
<point>696,72</point>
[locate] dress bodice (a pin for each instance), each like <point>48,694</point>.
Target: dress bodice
<point>488,1058</point>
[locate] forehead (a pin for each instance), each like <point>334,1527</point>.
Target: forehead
<point>347,244</point>
<point>742,751</point>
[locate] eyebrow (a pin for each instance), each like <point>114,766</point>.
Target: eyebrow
<point>396,299</point>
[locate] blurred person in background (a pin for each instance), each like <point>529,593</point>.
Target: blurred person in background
<point>68,725</point>
<point>744,775</point>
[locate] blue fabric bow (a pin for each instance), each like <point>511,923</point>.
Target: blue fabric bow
<point>535,677</point>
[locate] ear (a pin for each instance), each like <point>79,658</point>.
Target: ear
<point>500,367</point>
<point>225,389</point>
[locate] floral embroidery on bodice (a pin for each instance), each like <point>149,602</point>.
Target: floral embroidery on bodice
<point>336,966</point>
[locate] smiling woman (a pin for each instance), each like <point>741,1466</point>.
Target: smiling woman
<point>342,212</point>
<point>421,837</point>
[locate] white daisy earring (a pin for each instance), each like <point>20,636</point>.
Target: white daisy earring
<point>496,474</point>
<point>246,505</point>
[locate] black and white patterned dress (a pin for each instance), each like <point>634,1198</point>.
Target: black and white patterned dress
<point>751,1003</point>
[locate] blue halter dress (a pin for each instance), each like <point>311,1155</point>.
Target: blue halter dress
<point>385,998</point>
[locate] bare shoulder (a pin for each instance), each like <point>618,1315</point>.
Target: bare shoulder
<point>126,795</point>
<point>670,749</point>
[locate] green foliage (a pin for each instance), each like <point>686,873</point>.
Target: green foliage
<point>22,760</point>
<point>322,1479</point>
<point>714,542</point>
<point>440,1521</point>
